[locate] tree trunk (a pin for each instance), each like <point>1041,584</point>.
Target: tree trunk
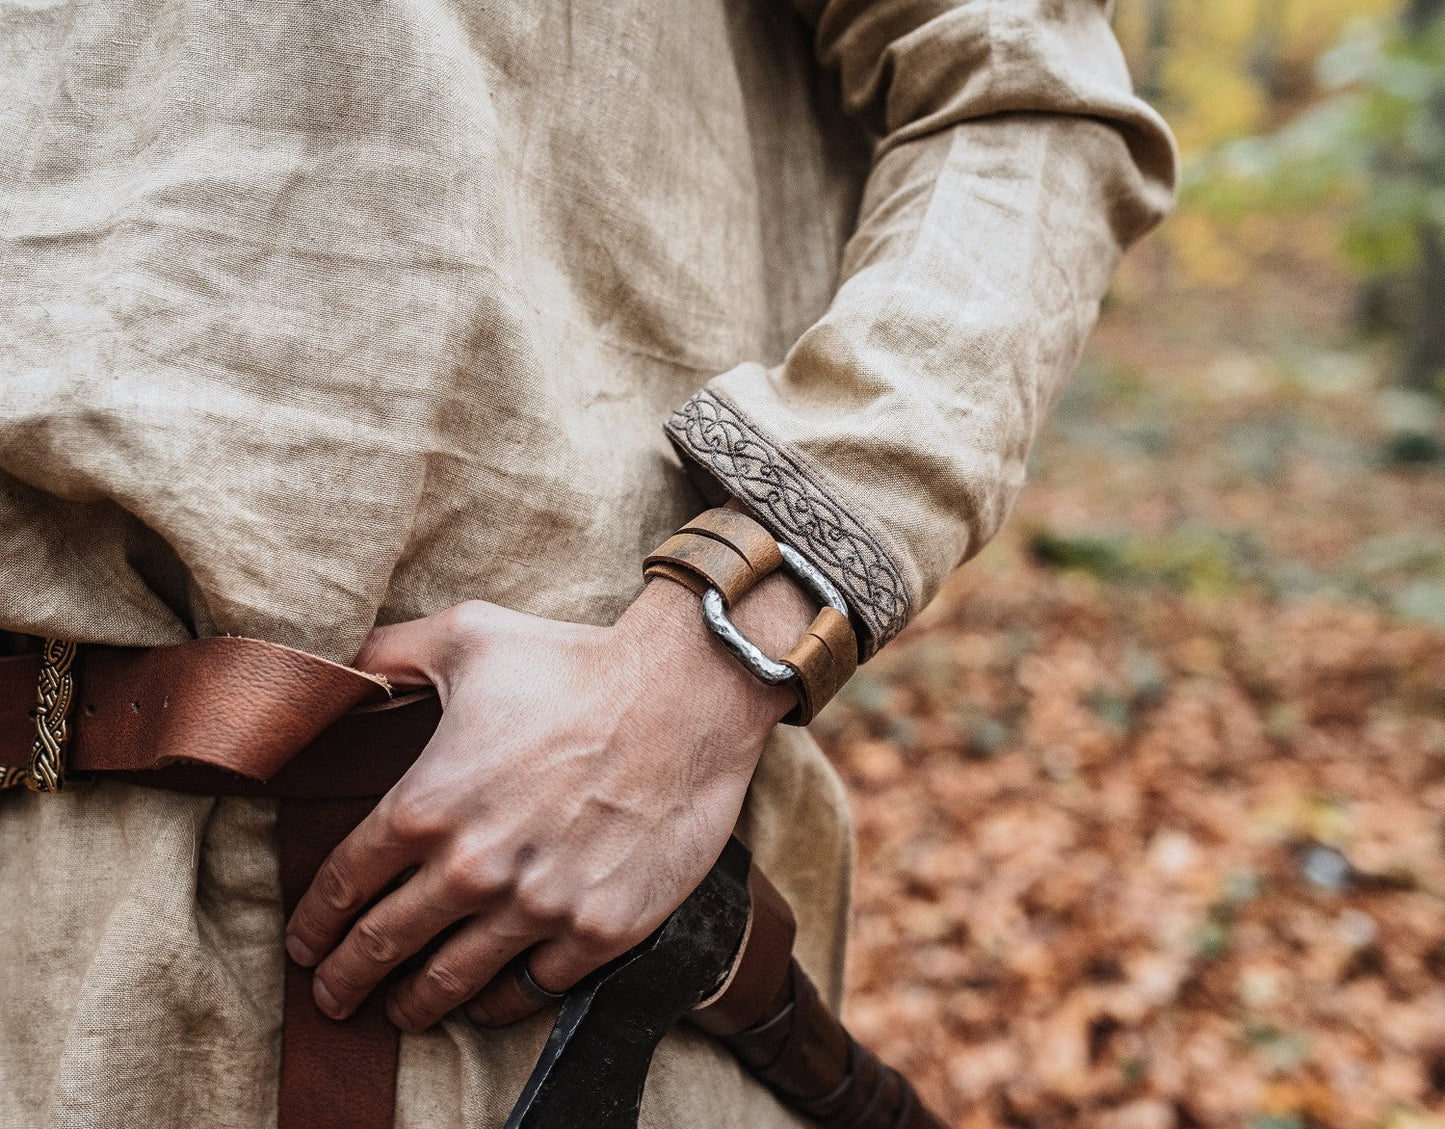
<point>1424,361</point>
<point>1267,46</point>
<point>1156,49</point>
<point>1419,15</point>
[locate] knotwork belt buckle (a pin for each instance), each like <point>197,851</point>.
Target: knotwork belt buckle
<point>54,696</point>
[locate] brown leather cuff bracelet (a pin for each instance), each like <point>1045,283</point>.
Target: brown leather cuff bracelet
<point>720,549</point>
<point>722,554</point>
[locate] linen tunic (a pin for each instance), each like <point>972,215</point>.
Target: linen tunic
<point>316,315</point>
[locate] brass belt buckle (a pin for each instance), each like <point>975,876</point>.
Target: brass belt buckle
<point>55,693</point>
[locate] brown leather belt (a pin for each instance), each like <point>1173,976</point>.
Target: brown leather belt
<point>227,716</point>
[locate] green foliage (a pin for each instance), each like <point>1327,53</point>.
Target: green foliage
<point>1375,142</point>
<point>1277,1121</point>
<point>1202,561</point>
<point>1422,601</point>
<point>1405,575</point>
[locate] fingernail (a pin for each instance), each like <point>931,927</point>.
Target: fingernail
<point>325,1000</point>
<point>299,952</point>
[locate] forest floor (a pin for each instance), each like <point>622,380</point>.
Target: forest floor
<point>1151,801</point>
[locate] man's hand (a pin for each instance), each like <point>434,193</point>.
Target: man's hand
<point>580,784</point>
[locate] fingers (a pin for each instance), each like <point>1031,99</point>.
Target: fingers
<point>392,930</point>
<point>509,997</point>
<point>405,654</point>
<point>419,651</point>
<point>470,964</point>
<point>455,972</point>
<point>555,966</point>
<point>364,863</point>
<point>562,962</point>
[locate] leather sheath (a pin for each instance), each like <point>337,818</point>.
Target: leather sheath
<point>769,1014</point>
<point>755,986</point>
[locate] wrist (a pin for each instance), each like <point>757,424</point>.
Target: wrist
<point>667,620</point>
<point>722,555</point>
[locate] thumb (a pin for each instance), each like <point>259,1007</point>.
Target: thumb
<point>409,654</point>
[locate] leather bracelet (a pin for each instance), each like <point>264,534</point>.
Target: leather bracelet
<point>722,554</point>
<point>721,549</point>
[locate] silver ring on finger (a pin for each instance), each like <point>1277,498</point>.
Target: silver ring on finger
<point>531,989</point>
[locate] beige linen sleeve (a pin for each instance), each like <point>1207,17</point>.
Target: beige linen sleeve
<point>1013,167</point>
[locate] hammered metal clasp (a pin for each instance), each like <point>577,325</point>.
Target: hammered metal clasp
<point>54,693</point>
<point>763,668</point>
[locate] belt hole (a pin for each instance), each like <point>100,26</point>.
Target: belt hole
<point>135,707</point>
<point>89,709</point>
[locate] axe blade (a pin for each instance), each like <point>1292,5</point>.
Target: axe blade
<point>592,1070</point>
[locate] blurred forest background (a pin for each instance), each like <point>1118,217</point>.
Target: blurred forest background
<point>1151,803</point>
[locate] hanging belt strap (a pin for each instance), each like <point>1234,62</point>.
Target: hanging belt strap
<point>227,716</point>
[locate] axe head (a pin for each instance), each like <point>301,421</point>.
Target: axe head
<point>592,1071</point>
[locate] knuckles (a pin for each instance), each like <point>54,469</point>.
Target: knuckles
<point>335,889</point>
<point>412,819</point>
<point>469,623</point>
<point>375,943</point>
<point>475,874</point>
<point>445,982</point>
<point>539,899</point>
<point>342,981</point>
<point>603,926</point>
<point>471,873</point>
<point>404,1011</point>
<point>306,929</point>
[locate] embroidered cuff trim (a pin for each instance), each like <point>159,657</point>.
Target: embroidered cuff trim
<point>788,498</point>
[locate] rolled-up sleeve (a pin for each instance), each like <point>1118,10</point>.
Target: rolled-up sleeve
<point>1013,167</point>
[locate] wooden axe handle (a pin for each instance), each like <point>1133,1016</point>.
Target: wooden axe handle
<point>769,1014</point>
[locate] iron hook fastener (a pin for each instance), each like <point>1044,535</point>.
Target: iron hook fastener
<point>763,668</point>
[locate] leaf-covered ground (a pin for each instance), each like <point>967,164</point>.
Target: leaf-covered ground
<point>1151,802</point>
